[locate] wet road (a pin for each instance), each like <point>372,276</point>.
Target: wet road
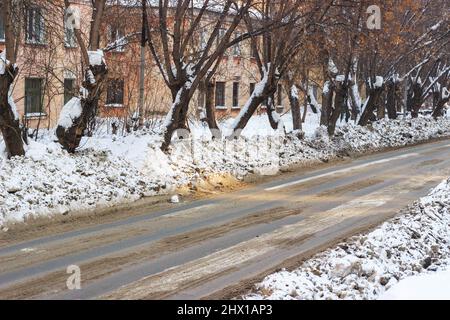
<point>218,247</point>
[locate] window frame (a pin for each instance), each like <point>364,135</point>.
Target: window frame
<point>72,41</point>
<point>31,36</point>
<point>220,34</point>
<point>116,32</point>
<point>218,96</point>
<point>235,104</point>
<point>237,50</point>
<point>252,87</point>
<point>203,40</point>
<point>70,92</point>
<point>28,103</point>
<point>116,102</point>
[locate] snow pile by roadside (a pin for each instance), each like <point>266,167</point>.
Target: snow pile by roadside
<point>110,168</point>
<point>268,153</point>
<point>423,287</point>
<point>48,180</point>
<point>365,266</point>
<point>389,133</point>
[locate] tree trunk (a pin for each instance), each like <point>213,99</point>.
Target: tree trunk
<point>70,138</point>
<point>327,100</point>
<point>416,99</point>
<point>9,121</point>
<point>354,100</point>
<point>210,111</point>
<point>339,106</point>
<point>439,103</point>
<point>374,95</point>
<point>174,117</point>
<point>246,113</point>
<point>380,110</point>
<point>306,103</point>
<point>272,114</point>
<point>295,108</point>
<point>263,90</point>
<point>391,102</point>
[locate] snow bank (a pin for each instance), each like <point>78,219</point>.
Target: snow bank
<point>71,110</point>
<point>48,180</point>
<point>110,169</point>
<point>367,265</point>
<point>434,286</point>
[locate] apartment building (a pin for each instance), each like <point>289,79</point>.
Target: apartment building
<point>50,68</point>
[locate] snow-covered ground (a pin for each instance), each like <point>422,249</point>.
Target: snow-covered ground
<point>406,257</point>
<point>430,286</point>
<point>109,169</point>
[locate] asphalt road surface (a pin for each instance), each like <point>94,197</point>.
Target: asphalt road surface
<point>219,246</point>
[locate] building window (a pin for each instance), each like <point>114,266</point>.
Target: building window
<point>252,88</point>
<point>237,46</point>
<point>2,28</point>
<point>116,37</point>
<point>203,40</point>
<point>235,94</point>
<point>34,32</point>
<point>254,48</point>
<point>33,96</point>
<point>70,41</point>
<point>220,36</point>
<point>69,89</point>
<point>314,90</point>
<point>220,94</point>
<point>114,94</point>
<point>279,95</point>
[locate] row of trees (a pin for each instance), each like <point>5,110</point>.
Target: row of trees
<point>392,54</point>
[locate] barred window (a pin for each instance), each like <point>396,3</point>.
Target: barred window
<point>115,92</point>
<point>69,87</point>
<point>33,95</point>
<point>220,94</point>
<point>35,27</point>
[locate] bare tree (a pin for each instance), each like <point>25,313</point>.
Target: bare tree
<point>274,55</point>
<point>12,12</point>
<point>171,38</point>
<point>94,73</point>
<point>406,56</point>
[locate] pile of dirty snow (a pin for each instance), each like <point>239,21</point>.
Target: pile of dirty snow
<point>48,180</point>
<point>365,266</point>
<point>109,169</point>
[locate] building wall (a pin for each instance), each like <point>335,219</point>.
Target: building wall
<point>53,62</point>
<point>49,60</point>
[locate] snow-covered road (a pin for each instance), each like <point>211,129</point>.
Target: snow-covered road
<point>193,249</point>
